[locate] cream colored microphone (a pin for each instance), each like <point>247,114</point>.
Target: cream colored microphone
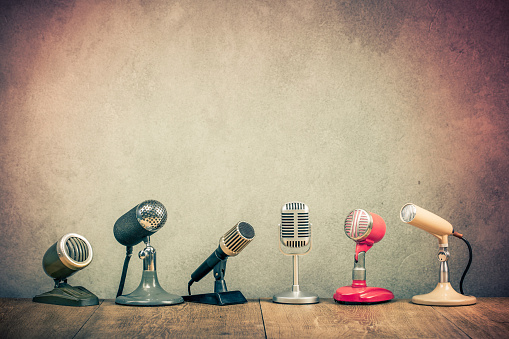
<point>443,294</point>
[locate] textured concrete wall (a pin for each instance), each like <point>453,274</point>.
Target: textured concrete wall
<point>225,110</point>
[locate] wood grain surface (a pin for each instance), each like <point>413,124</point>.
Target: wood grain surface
<point>489,318</point>
<point>22,318</point>
<point>396,319</point>
<point>188,320</point>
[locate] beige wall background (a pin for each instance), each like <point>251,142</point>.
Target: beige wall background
<point>225,110</point>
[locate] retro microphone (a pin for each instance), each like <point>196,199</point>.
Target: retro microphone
<point>68,255</point>
<point>366,229</point>
<point>295,236</point>
<point>443,294</point>
<point>133,227</point>
<point>230,244</point>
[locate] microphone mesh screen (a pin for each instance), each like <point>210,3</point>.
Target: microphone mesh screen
<point>238,237</point>
<point>77,249</point>
<point>357,223</point>
<point>295,227</point>
<point>151,215</point>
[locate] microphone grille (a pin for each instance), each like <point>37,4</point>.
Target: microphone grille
<point>295,227</point>
<point>238,237</point>
<point>151,214</point>
<point>358,224</point>
<point>77,249</point>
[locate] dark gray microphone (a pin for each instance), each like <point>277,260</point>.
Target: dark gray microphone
<point>141,221</point>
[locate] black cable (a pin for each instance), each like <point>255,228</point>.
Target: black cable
<point>189,286</point>
<point>128,254</point>
<point>468,265</point>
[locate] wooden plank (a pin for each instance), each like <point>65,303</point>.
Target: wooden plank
<point>328,319</point>
<point>489,318</point>
<point>189,320</point>
<point>22,318</point>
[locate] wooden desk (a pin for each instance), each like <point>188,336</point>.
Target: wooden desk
<point>22,318</point>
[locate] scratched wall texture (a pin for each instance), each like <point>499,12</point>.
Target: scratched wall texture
<point>225,110</point>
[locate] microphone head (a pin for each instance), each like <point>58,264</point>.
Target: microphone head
<point>237,238</point>
<point>67,256</point>
<point>426,220</point>
<point>141,221</point>
<point>295,229</point>
<point>364,226</point>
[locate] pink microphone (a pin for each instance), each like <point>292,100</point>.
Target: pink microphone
<point>365,229</point>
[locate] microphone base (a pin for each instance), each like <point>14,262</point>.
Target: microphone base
<point>444,295</point>
<point>67,295</point>
<point>149,293</point>
<point>297,297</point>
<point>360,294</point>
<point>220,299</point>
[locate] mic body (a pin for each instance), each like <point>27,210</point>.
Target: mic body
<point>141,221</point>
<point>230,244</point>
<point>427,221</point>
<point>67,256</point>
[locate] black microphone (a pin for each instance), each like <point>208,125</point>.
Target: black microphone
<point>141,221</point>
<point>137,225</point>
<point>230,244</point>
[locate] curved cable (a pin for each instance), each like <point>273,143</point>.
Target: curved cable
<point>128,254</point>
<point>468,265</point>
<point>458,235</point>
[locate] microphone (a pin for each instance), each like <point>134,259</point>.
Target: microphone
<point>71,253</point>
<point>295,229</point>
<point>366,229</point>
<point>140,222</point>
<point>135,226</point>
<point>295,237</point>
<point>230,244</point>
<point>443,294</point>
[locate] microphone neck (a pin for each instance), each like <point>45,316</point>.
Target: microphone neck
<point>219,273</point>
<point>295,287</point>
<point>359,267</point>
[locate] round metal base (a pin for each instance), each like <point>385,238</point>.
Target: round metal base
<point>444,295</point>
<point>149,293</point>
<point>295,298</point>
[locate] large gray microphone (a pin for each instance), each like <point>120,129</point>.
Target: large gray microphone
<point>135,226</point>
<point>295,240</point>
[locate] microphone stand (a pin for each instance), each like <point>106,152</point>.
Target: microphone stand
<point>295,296</point>
<point>149,291</point>
<point>444,294</point>
<point>221,295</point>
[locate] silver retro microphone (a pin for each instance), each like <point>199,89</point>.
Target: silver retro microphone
<point>295,237</point>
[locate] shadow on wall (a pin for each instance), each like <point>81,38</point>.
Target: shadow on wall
<point>376,24</point>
